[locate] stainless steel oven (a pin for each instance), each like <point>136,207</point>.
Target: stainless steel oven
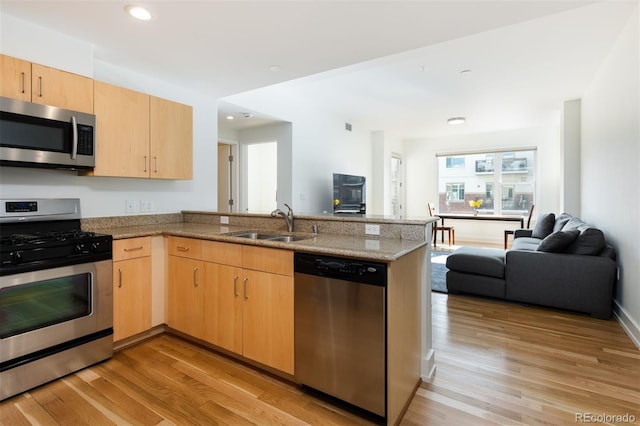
<point>56,301</point>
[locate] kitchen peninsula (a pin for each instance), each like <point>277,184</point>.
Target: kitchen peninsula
<point>200,247</point>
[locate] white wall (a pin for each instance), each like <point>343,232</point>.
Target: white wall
<point>610,156</point>
<point>570,151</point>
<point>106,196</point>
<point>320,146</point>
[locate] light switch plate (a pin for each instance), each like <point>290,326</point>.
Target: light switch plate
<point>130,206</point>
<point>224,220</point>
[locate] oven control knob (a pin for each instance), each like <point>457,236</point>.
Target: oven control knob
<point>16,257</point>
<point>82,249</point>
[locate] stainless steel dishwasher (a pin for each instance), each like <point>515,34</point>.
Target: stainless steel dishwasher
<point>340,338</point>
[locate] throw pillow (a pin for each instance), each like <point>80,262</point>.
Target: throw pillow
<point>557,242</point>
<point>544,226</point>
<point>561,221</point>
<point>573,223</point>
<point>590,242</point>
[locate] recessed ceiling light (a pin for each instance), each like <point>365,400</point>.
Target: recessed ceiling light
<point>454,121</point>
<point>247,115</point>
<point>138,12</point>
<point>274,68</point>
<point>229,117</point>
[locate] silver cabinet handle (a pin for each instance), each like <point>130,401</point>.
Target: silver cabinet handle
<point>235,289</point>
<point>155,164</point>
<point>22,76</point>
<point>182,248</point>
<point>195,277</point>
<point>133,248</point>
<point>74,144</point>
<point>244,287</point>
<point>119,278</point>
<point>145,164</point>
<point>40,87</point>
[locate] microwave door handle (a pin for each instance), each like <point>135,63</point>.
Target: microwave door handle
<point>74,145</point>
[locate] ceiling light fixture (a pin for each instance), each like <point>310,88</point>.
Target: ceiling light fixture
<point>138,12</point>
<point>274,68</point>
<point>229,117</point>
<point>454,121</point>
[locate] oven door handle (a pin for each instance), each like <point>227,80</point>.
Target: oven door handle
<point>74,142</point>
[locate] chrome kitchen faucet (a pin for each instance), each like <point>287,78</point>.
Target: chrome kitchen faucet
<point>288,217</point>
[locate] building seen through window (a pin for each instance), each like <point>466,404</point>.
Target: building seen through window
<point>504,182</point>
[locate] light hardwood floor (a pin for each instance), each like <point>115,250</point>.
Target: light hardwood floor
<point>497,363</point>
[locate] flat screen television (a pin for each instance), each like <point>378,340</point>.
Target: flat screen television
<point>349,194</point>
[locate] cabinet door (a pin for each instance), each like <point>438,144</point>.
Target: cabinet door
<point>171,139</point>
<point>122,136</point>
<point>185,295</point>
<point>15,78</point>
<point>223,306</point>
<point>131,297</point>
<point>268,320</point>
<point>50,86</point>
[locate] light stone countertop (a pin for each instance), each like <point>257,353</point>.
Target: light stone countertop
<point>362,247</point>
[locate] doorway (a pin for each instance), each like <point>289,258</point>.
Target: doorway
<point>397,185</point>
<point>261,176</point>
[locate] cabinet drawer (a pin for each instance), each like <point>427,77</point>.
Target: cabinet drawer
<point>275,261</point>
<point>131,248</point>
<point>185,247</point>
<point>223,253</point>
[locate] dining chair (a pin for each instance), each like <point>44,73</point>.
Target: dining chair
<point>435,228</point>
<point>508,232</point>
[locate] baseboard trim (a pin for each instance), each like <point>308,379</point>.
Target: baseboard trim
<point>627,322</point>
<point>428,367</point>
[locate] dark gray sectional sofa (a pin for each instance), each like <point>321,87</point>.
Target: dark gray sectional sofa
<point>562,263</point>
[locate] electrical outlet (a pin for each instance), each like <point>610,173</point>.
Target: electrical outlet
<point>146,206</point>
<point>130,206</point>
<point>224,220</point>
<point>370,229</point>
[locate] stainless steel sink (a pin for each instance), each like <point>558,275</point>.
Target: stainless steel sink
<point>267,236</point>
<point>287,238</point>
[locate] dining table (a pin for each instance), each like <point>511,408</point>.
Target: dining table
<point>470,216</point>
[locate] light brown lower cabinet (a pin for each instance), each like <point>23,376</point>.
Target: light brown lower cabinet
<point>237,297</point>
<point>131,287</point>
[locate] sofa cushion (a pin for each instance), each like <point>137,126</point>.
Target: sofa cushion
<point>561,221</point>
<point>544,225</point>
<point>477,260</point>
<point>573,223</point>
<point>590,241</point>
<point>526,243</point>
<point>558,241</point>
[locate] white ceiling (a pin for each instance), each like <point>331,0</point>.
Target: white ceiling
<point>392,63</point>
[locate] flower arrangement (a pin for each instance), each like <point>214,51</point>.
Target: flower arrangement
<point>475,204</point>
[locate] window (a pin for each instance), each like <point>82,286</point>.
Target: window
<point>504,181</point>
<point>454,162</point>
<point>455,191</point>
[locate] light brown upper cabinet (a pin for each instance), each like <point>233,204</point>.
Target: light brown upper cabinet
<point>122,131</point>
<point>171,133</point>
<point>139,135</point>
<point>36,83</point>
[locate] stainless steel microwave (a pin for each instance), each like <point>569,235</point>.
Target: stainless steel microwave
<point>34,135</point>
